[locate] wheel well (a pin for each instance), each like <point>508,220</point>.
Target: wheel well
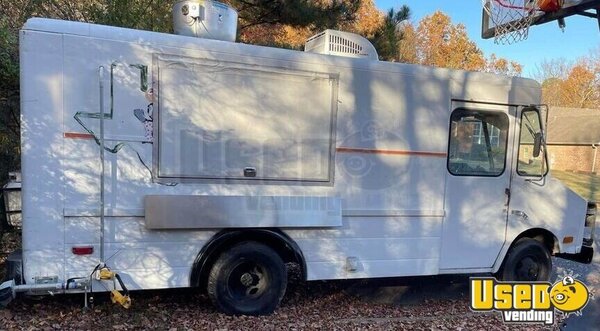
<point>542,235</point>
<point>282,244</point>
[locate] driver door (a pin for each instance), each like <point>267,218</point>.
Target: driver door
<point>477,184</point>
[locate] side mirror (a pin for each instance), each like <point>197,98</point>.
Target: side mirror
<point>537,144</point>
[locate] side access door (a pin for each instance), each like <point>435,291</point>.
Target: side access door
<point>477,184</point>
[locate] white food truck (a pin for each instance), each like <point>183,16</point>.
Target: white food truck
<point>152,161</point>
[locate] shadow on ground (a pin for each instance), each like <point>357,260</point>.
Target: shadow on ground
<point>411,290</point>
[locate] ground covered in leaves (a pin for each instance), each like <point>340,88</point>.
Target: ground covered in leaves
<point>312,305</point>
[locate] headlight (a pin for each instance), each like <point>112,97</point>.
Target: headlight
<point>590,217</point>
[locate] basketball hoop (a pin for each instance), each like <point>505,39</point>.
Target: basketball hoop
<point>508,21</point>
<point>511,18</point>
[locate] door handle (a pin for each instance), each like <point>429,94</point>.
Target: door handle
<point>519,213</point>
<point>249,172</point>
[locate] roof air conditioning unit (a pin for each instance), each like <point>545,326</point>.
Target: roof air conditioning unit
<point>341,43</point>
<point>205,19</point>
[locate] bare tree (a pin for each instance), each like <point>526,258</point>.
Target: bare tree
<point>571,83</point>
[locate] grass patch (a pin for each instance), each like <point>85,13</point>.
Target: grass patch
<point>586,185</point>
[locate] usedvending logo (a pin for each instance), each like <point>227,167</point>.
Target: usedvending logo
<point>529,302</point>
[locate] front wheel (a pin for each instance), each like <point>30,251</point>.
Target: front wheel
<point>248,279</point>
<point>527,260</point>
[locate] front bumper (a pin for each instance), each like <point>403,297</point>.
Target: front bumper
<point>584,256</point>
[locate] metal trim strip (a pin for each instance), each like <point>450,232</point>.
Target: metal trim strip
<point>389,152</point>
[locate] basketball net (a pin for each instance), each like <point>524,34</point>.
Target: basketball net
<point>511,18</point>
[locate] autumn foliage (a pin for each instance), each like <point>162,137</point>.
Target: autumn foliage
<point>436,41</point>
<point>582,87</point>
<point>366,20</point>
<point>571,84</point>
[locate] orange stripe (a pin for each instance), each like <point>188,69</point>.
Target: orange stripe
<point>388,152</point>
<point>77,135</point>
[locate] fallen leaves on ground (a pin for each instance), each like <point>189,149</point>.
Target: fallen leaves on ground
<point>306,305</point>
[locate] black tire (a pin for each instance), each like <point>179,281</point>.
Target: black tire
<point>248,279</point>
<point>527,260</point>
<point>6,296</point>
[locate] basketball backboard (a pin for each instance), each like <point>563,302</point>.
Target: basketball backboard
<point>508,21</point>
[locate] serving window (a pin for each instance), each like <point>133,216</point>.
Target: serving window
<point>231,120</point>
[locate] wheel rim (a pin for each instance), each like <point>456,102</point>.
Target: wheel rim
<point>527,269</point>
<point>247,281</point>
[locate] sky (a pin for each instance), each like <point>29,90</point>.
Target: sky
<point>546,41</point>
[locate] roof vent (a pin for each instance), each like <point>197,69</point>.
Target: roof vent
<point>205,19</point>
<point>341,43</point>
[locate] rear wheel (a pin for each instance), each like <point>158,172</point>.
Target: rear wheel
<point>527,260</point>
<point>248,279</point>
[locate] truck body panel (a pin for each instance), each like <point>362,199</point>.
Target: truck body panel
<point>348,157</point>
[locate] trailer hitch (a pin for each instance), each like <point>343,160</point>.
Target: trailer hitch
<point>9,289</point>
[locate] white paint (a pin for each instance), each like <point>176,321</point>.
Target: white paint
<point>402,213</point>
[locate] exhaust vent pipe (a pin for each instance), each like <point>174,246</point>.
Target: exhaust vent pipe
<point>205,19</point>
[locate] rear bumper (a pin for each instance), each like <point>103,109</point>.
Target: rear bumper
<point>584,256</point>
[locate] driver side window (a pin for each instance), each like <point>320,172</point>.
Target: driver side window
<point>477,145</point>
